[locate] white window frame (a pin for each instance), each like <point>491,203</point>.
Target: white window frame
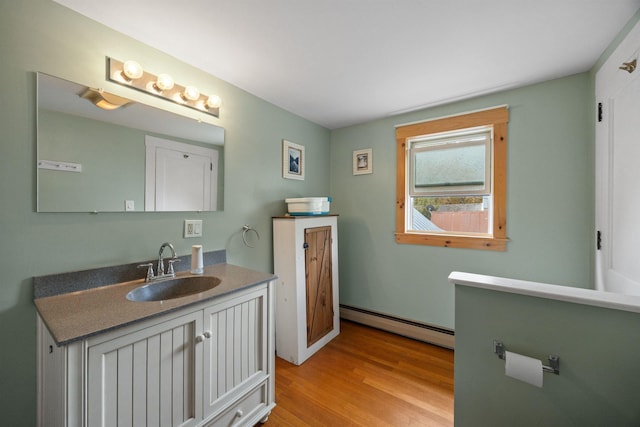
<point>479,136</point>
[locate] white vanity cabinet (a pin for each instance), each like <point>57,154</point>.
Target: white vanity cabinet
<point>208,364</point>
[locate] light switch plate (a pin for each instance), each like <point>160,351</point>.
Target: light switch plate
<point>192,228</point>
<point>129,206</point>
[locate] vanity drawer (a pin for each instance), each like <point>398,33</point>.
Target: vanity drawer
<point>247,411</point>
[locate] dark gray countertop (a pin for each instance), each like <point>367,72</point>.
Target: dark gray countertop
<point>62,283</point>
<point>78,314</point>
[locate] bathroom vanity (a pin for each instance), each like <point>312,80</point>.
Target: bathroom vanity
<point>205,359</point>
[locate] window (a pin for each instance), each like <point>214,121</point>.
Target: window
<point>451,181</point>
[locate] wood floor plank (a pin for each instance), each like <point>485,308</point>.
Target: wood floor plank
<point>366,377</point>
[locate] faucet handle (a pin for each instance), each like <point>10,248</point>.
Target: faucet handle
<point>149,267</point>
<point>170,269</point>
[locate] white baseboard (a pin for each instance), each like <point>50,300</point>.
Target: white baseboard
<point>420,331</point>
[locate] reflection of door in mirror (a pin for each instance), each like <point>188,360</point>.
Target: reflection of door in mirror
<point>180,177</point>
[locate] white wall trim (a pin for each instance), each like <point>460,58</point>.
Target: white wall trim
<point>439,336</point>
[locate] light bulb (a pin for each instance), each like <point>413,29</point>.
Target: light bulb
<point>214,101</point>
<point>191,93</point>
<point>164,82</point>
<point>131,70</point>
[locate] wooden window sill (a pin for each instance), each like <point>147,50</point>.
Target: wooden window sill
<point>453,241</point>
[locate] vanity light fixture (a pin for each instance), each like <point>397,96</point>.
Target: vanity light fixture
<point>104,100</point>
<point>131,74</point>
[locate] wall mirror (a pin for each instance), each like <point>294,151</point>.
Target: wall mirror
<point>132,158</point>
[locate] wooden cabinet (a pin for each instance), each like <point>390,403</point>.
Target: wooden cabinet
<point>210,364</point>
<point>305,251</point>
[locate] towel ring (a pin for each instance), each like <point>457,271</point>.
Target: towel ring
<point>245,229</point>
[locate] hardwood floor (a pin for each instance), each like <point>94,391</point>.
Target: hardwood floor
<point>366,377</point>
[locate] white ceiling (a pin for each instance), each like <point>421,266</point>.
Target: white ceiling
<point>342,62</point>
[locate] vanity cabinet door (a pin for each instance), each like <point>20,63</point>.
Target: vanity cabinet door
<point>235,356</point>
<point>148,377</point>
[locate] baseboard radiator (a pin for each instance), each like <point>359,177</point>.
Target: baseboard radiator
<point>419,331</point>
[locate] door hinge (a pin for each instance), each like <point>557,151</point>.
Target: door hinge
<point>599,240</point>
<point>599,112</point>
<point>211,166</point>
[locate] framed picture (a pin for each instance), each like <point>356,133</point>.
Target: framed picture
<point>363,161</point>
<point>292,160</point>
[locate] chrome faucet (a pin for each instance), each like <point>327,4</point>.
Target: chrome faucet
<point>160,271</point>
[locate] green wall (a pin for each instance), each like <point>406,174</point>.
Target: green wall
<point>549,205</point>
<point>39,35</point>
<point>598,350</point>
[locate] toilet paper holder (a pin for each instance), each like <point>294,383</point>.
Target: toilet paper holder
<point>554,361</point>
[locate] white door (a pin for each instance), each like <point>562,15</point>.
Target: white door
<point>183,181</point>
<point>180,177</point>
<point>618,171</point>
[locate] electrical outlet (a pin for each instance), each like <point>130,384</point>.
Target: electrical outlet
<point>129,205</point>
<point>192,228</point>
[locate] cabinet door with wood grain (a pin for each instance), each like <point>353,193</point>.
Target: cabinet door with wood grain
<point>319,287</point>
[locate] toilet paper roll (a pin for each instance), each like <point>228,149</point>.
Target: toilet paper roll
<point>523,368</point>
<point>197,265</point>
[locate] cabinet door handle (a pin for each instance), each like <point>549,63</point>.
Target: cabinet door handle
<point>204,336</point>
<point>305,246</point>
<point>239,413</point>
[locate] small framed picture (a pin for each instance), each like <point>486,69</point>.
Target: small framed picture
<point>292,160</point>
<point>363,161</point>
